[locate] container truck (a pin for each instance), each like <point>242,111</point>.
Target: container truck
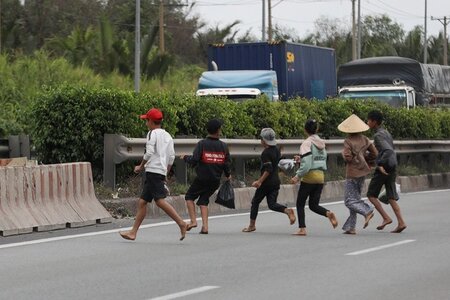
<point>302,70</point>
<point>398,81</point>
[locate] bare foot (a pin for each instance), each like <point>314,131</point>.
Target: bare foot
<point>249,229</point>
<point>128,235</point>
<point>368,218</point>
<point>399,229</point>
<point>291,215</point>
<point>332,219</point>
<point>183,229</point>
<point>190,226</point>
<point>385,222</point>
<point>300,232</point>
<point>351,231</point>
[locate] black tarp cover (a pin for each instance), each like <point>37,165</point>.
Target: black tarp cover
<point>424,78</point>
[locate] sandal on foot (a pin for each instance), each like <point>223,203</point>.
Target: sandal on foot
<point>125,236</point>
<point>300,233</point>
<point>399,229</point>
<point>249,229</point>
<point>203,232</point>
<point>381,227</point>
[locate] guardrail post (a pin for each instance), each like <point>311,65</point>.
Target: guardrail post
<point>25,150</point>
<point>14,146</point>
<point>109,167</point>
<point>239,165</point>
<point>180,171</point>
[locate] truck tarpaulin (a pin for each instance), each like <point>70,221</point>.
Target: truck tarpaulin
<point>426,79</point>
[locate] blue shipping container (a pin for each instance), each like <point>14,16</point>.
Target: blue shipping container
<point>302,70</point>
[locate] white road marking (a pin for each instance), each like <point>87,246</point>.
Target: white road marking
<point>380,247</point>
<point>186,293</point>
<point>67,237</point>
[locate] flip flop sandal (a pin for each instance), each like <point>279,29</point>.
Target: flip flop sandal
<point>247,229</point>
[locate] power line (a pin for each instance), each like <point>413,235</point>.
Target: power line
<point>399,11</point>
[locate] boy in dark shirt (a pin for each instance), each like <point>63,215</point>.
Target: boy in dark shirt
<point>211,158</point>
<point>385,172</point>
<point>268,184</point>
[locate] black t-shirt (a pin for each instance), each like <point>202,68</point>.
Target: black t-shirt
<point>269,162</point>
<point>211,158</point>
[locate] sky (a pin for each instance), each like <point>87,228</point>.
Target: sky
<point>301,14</point>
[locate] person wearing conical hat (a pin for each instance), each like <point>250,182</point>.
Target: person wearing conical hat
<point>358,152</point>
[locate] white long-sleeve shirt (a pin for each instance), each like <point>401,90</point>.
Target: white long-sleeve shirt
<point>159,151</point>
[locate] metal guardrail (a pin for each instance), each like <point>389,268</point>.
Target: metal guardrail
<point>118,148</point>
<point>15,146</point>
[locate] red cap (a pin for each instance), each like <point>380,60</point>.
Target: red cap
<point>153,114</point>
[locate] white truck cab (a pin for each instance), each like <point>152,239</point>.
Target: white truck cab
<point>230,93</point>
<point>239,84</point>
<point>394,95</point>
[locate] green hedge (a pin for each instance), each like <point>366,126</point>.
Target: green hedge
<point>68,123</point>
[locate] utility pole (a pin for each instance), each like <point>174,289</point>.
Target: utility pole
<point>269,3</point>
<point>137,47</point>
<point>359,29</point>
<point>425,40</point>
<point>444,21</point>
<point>162,48</point>
<point>0,26</point>
<point>353,31</point>
<point>161,27</point>
<point>263,37</point>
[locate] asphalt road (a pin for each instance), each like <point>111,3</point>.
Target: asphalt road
<point>227,264</point>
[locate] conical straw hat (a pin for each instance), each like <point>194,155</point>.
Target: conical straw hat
<point>353,124</point>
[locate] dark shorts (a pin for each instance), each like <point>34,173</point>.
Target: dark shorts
<point>154,187</point>
<point>201,190</point>
<point>377,182</point>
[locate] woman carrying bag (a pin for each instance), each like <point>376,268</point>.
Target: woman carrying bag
<point>313,156</point>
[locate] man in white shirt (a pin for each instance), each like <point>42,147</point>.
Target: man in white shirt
<point>157,162</point>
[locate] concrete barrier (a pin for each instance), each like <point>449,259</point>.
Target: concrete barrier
<point>48,197</point>
<point>333,191</point>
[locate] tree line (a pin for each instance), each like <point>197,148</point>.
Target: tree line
<point>100,34</point>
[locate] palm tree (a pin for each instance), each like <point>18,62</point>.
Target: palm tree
<point>216,35</point>
<point>435,49</point>
<point>77,47</point>
<point>412,46</point>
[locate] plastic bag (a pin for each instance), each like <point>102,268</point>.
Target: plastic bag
<point>225,196</point>
<point>287,166</point>
<point>383,198</point>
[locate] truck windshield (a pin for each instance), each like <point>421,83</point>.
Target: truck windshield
<point>395,98</point>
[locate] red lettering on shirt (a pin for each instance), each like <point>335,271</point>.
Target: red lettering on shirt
<point>213,157</point>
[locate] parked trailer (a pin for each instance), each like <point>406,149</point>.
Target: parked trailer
<point>302,70</point>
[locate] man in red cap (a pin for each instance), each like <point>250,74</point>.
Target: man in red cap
<point>157,162</point>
